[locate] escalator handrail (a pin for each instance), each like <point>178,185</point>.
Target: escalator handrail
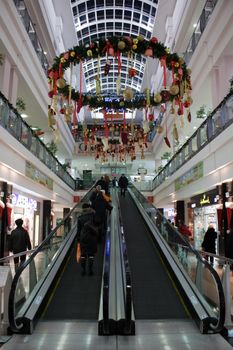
<point>11,305</point>
<point>106,274</point>
<point>218,327</point>
<point>128,279</point>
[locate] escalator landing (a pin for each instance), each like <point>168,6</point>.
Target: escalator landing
<point>150,335</point>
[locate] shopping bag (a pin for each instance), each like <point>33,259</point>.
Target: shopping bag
<point>78,253</point>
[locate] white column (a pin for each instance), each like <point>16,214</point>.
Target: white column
<point>5,77</point>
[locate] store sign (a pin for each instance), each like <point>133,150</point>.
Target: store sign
<point>191,175</point>
<point>142,171</point>
<point>204,200</point>
<point>35,174</point>
<point>23,202</point>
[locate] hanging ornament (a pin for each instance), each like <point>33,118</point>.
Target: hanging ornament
<point>132,72</point>
<point>175,132</point>
<point>121,45</point>
<point>51,119</point>
<point>97,85</point>
<point>128,94</point>
<point>174,89</point>
<point>159,129</point>
<point>189,117</point>
<point>61,83</point>
<point>158,98</point>
<point>118,85</point>
<point>54,104</point>
<point>166,138</point>
<point>107,67</point>
<point>148,97</point>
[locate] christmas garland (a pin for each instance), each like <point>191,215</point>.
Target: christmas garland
<point>115,46</point>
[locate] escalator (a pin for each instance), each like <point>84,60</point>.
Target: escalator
<point>154,293</point>
<point>49,286</point>
<point>170,280</point>
<point>66,302</point>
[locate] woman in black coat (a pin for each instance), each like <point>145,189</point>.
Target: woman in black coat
<point>208,243</point>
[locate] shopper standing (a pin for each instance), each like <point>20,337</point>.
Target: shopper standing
<point>19,242</point>
<point>123,184</point>
<point>208,243</point>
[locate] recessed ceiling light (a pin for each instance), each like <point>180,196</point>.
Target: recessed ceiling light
<point>24,115</point>
<point>195,24</point>
<point>34,128</point>
<point>186,137</point>
<point>45,52</point>
<point>194,127</point>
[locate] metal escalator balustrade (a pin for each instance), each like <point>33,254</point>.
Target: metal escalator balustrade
<point>126,325</point>
<point>32,274</point>
<point>206,292</point>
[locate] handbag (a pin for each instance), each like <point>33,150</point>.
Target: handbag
<point>78,253</point>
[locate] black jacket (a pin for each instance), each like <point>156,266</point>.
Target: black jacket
<point>19,240</point>
<point>85,216</point>
<point>123,182</point>
<point>209,240</point>
<point>89,238</point>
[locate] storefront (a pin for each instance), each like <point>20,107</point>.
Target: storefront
<point>204,210</point>
<point>27,208</point>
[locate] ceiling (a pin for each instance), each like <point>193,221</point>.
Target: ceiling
<point>95,19</point>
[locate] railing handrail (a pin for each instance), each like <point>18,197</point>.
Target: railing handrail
<point>205,122</point>
<point>22,121</point>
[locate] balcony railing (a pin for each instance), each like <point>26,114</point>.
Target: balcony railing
<point>30,29</point>
<point>215,123</point>
<point>199,29</point>
<point>11,120</point>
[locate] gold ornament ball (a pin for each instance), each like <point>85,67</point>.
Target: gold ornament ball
<point>134,47</point>
<point>100,98</point>
<point>159,129</point>
<point>89,53</point>
<point>140,37</point>
<point>61,83</point>
<point>128,94</point>
<point>72,54</point>
<point>189,71</point>
<point>181,61</point>
<point>177,64</point>
<point>135,41</point>
<point>121,45</point>
<point>167,50</point>
<point>62,60</point>
<point>121,104</point>
<point>158,98</point>
<point>174,90</point>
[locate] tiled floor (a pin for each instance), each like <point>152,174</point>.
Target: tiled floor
<point>179,335</point>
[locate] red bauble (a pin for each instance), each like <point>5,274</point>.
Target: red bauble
<point>153,40</point>
<point>51,93</point>
<point>165,95</point>
<point>132,72</point>
<point>151,117</point>
<point>62,110</point>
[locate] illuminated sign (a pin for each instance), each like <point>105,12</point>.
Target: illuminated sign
<point>23,202</point>
<point>205,200</point>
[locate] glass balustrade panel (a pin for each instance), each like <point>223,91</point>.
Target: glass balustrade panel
<point>35,272</point>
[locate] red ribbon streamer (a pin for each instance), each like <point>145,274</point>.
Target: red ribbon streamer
<point>75,114</point>
<point>119,61</point>
<point>60,71</point>
<point>80,100</point>
<point>163,64</point>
